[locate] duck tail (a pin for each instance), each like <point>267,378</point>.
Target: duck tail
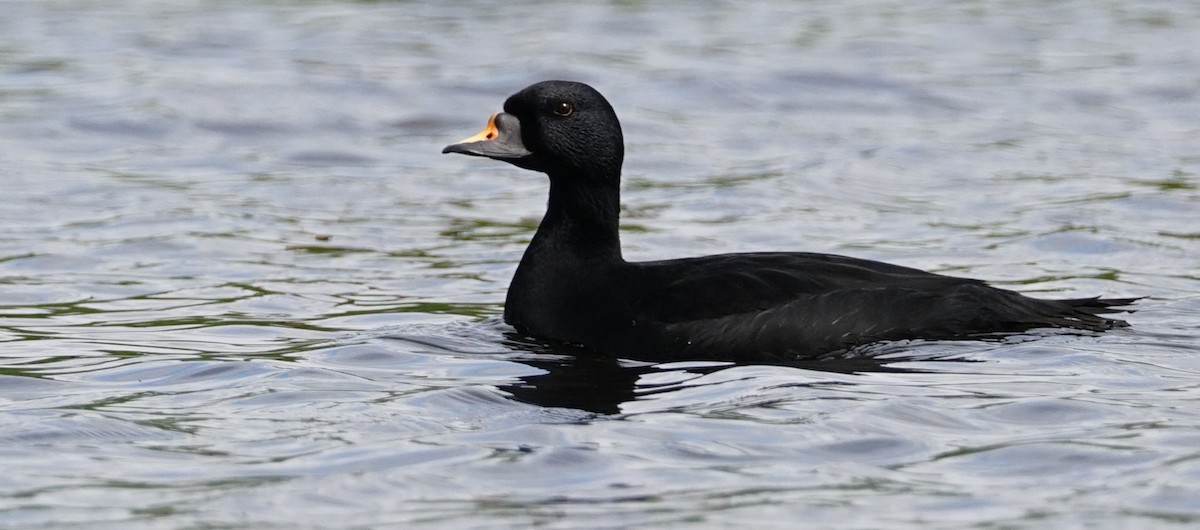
<point>1089,311</point>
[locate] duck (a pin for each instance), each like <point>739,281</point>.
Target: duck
<point>574,287</point>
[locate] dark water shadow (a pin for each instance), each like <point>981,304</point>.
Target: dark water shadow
<point>580,379</point>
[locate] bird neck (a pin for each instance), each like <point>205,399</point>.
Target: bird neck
<point>583,217</point>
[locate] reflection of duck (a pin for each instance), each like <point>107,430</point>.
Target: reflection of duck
<point>573,286</point>
<point>602,384</point>
<point>592,383</point>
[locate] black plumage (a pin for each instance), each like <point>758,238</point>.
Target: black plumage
<point>573,285</point>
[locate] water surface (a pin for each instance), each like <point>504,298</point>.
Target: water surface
<point>240,287</point>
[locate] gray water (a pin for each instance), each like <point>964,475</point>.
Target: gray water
<point>241,288</point>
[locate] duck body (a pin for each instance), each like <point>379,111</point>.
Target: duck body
<point>765,306</point>
<point>573,285</point>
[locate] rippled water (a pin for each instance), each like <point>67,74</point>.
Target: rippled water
<point>240,287</point>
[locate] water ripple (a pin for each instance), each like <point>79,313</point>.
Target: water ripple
<point>240,286</point>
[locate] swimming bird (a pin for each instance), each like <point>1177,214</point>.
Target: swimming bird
<point>574,286</point>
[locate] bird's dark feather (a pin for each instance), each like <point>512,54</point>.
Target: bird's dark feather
<point>573,285</point>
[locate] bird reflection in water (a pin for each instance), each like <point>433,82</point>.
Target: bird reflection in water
<point>579,379</point>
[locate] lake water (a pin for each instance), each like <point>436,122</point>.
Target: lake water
<point>240,287</point>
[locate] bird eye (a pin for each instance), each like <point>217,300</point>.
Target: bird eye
<point>564,109</point>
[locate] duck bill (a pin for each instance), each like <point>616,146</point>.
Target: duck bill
<point>501,140</point>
